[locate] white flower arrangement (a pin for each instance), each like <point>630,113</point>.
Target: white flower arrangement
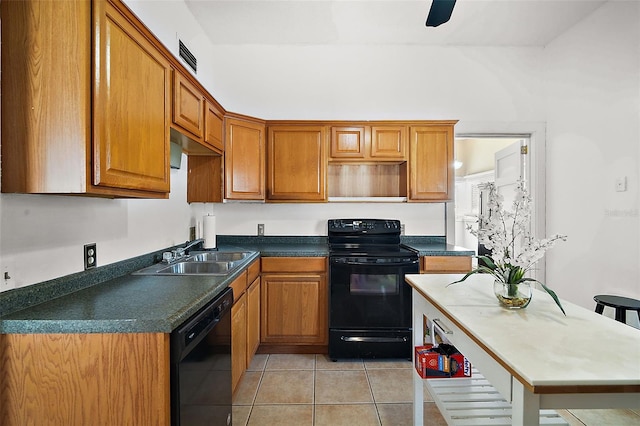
<point>507,234</point>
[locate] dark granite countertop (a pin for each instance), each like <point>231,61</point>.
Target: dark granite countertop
<point>431,246</point>
<point>126,304</point>
<point>110,300</point>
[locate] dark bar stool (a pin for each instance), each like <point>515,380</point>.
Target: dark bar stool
<point>621,305</point>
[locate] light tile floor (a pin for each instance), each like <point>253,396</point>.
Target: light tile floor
<point>282,390</point>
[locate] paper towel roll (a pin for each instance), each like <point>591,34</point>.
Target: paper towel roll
<point>209,231</point>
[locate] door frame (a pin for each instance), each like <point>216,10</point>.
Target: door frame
<point>535,133</point>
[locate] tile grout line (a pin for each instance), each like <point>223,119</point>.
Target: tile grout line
<point>373,398</point>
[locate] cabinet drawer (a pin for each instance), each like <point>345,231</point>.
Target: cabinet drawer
<point>294,264</point>
<point>253,271</point>
<point>446,264</point>
<point>239,285</point>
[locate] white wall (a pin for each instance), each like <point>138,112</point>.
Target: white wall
<point>311,219</point>
<point>43,236</point>
<point>592,81</point>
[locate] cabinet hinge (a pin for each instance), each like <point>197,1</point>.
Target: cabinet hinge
<point>524,149</point>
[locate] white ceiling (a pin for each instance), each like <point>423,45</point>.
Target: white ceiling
<point>344,22</point>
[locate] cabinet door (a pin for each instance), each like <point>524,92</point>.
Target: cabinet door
<point>238,339</point>
<point>445,264</point>
<point>347,143</point>
<point>188,105</point>
<point>244,174</point>
<point>46,96</point>
<point>85,379</point>
<point>131,106</point>
<point>431,163</point>
<point>253,319</point>
<point>389,142</point>
<point>294,308</point>
<point>213,126</point>
<point>297,163</point>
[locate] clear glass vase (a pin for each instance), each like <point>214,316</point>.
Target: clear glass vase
<point>512,296</point>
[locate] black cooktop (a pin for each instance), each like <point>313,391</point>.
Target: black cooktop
<point>366,237</point>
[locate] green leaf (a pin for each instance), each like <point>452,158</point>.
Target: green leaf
<point>475,271</point>
<point>488,261</point>
<point>551,293</point>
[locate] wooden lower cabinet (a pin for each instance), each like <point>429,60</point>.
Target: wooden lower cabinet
<point>238,339</point>
<point>245,321</point>
<point>84,379</point>
<point>445,264</point>
<point>253,319</point>
<point>294,301</point>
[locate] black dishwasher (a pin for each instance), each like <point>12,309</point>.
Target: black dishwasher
<point>201,366</point>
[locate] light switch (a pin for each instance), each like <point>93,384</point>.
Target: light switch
<point>621,184</point>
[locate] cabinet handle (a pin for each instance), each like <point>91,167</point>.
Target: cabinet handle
<point>442,327</point>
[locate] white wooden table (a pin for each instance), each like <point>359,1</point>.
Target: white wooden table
<point>535,357</point>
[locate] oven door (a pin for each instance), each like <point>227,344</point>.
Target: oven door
<point>370,292</point>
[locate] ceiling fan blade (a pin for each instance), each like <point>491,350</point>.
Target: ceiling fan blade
<point>440,12</point>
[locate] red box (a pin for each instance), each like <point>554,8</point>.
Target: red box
<point>432,365</point>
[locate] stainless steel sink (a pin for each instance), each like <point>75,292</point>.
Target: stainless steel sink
<point>199,268</point>
<point>204,263</point>
<point>219,256</point>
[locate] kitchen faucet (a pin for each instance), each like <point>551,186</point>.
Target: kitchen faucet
<point>183,250</point>
<point>180,252</point>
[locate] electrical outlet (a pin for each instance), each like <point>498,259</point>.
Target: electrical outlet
<point>90,256</point>
<point>402,229</point>
<point>621,184</point>
<point>261,229</point>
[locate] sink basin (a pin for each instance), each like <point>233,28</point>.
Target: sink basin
<point>205,263</point>
<point>188,267</point>
<point>199,268</point>
<point>219,256</point>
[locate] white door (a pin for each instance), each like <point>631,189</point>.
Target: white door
<point>511,164</point>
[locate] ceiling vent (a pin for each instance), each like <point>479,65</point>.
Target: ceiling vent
<point>188,57</point>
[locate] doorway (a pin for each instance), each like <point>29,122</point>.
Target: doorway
<point>475,164</point>
<point>479,151</point>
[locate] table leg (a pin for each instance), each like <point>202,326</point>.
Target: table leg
<point>418,338</point>
<point>525,405</point>
<point>418,397</point>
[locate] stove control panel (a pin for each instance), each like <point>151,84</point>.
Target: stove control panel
<point>364,225</point>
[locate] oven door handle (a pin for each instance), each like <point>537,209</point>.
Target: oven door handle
<point>373,339</point>
<point>351,263</point>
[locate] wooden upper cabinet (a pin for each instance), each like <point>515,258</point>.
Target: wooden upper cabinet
<point>375,143</point>
<point>188,105</point>
<point>46,97</point>
<point>348,143</point>
<point>389,142</point>
<point>431,171</point>
<point>296,163</point>
<point>131,106</point>
<point>58,137</point>
<point>244,171</point>
<point>213,126</point>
